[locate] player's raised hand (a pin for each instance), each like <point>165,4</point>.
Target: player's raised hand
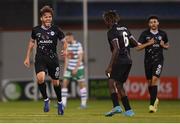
<point>27,62</point>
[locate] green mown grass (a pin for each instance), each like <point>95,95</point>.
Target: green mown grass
<point>30,111</point>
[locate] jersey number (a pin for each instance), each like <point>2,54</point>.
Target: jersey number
<point>125,37</point>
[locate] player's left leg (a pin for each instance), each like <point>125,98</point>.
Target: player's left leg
<point>57,89</point>
<point>54,72</point>
<point>83,93</point>
<point>154,101</point>
<point>82,85</point>
<point>120,80</point>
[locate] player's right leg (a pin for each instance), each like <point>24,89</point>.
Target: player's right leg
<point>114,97</point>
<point>40,68</point>
<point>42,88</point>
<point>83,93</point>
<point>120,80</point>
<point>125,101</point>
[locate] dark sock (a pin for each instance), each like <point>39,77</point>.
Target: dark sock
<point>149,88</point>
<point>150,92</point>
<point>42,88</point>
<point>153,94</point>
<point>114,98</point>
<point>57,90</point>
<point>125,103</point>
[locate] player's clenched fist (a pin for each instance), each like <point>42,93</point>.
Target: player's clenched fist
<point>27,62</point>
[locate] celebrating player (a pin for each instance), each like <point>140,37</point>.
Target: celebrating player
<point>73,68</point>
<point>120,41</point>
<point>46,37</point>
<point>154,41</point>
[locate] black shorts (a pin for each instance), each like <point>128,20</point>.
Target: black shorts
<point>47,64</point>
<point>153,69</point>
<point>120,72</point>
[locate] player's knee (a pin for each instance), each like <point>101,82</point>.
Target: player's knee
<point>82,84</point>
<point>155,80</point>
<point>55,82</point>
<point>65,83</point>
<point>111,87</point>
<point>149,82</point>
<point>40,79</point>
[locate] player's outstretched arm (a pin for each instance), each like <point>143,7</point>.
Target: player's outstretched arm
<point>133,41</point>
<point>28,53</point>
<point>142,46</point>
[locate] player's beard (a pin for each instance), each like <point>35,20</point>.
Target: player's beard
<point>47,24</point>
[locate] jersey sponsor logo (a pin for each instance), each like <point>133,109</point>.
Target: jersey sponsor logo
<point>156,45</point>
<point>46,41</point>
<point>148,38</point>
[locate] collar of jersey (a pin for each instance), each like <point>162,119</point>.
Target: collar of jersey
<point>154,32</point>
<point>43,27</point>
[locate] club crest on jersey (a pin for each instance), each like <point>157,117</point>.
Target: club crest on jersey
<point>52,33</point>
<point>159,38</point>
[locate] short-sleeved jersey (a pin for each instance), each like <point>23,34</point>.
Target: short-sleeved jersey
<point>73,51</point>
<point>153,52</point>
<point>46,39</point>
<point>122,35</point>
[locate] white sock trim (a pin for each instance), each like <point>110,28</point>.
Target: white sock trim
<point>64,89</point>
<point>46,99</point>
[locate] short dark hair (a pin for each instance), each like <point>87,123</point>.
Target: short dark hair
<point>152,17</point>
<point>69,34</point>
<point>45,9</point>
<point>111,16</point>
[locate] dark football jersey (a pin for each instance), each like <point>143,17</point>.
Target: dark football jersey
<point>122,35</point>
<point>47,39</point>
<point>153,52</point>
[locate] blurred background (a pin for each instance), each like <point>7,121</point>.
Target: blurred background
<point>17,20</point>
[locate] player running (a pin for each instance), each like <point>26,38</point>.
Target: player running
<point>120,41</point>
<point>46,37</point>
<point>154,59</point>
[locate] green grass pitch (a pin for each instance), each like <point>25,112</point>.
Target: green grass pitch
<point>30,111</point>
